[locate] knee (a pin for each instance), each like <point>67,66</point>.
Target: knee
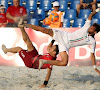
<point>19,49</point>
<point>78,6</point>
<point>64,63</point>
<point>93,6</point>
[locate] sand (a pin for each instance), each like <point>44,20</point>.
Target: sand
<point>62,78</point>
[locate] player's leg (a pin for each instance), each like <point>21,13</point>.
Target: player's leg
<point>12,50</point>
<point>63,62</point>
<point>41,29</point>
<point>78,8</point>
<point>27,40</point>
<point>93,7</point>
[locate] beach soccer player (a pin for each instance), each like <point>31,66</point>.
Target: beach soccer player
<point>31,57</point>
<point>66,40</point>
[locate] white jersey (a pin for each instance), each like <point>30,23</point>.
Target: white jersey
<point>80,37</point>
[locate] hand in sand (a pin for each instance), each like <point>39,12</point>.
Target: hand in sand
<point>42,86</point>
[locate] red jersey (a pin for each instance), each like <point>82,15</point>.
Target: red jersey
<point>16,12</point>
<point>3,19</point>
<point>31,58</point>
<point>46,56</point>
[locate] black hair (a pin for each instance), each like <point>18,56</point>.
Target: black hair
<point>97,26</point>
<point>57,49</point>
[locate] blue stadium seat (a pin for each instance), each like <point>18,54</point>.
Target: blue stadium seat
<point>63,5</point>
<point>33,21</point>
<point>74,4</point>
<point>70,14</point>
<point>32,4</point>
<point>66,23</point>
<point>95,20</point>
<point>78,22</point>
<point>84,13</point>
<point>97,15</point>
<point>45,4</point>
<point>38,0</point>
<point>5,3</point>
<point>98,1</point>
<point>10,0</point>
<point>21,2</point>
<point>39,13</point>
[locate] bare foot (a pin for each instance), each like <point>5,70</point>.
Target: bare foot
<point>4,49</point>
<point>41,63</point>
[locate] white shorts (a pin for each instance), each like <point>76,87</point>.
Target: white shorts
<point>62,39</point>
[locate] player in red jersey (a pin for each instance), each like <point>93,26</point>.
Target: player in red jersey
<point>3,19</point>
<point>14,13</point>
<point>31,57</point>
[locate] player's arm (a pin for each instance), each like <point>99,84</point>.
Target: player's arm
<point>50,45</point>
<point>47,78</point>
<point>11,17</point>
<point>94,63</point>
<point>93,13</point>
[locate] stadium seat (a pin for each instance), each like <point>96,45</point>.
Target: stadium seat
<point>84,13</point>
<point>63,5</point>
<point>97,15</point>
<point>45,4</point>
<point>33,21</point>
<point>95,20</point>
<point>74,4</point>
<point>98,1</point>
<point>5,3</point>
<point>78,22</point>
<point>70,14</point>
<point>32,4</point>
<point>39,13</point>
<point>66,23</point>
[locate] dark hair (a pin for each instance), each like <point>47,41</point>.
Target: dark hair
<point>57,49</point>
<point>97,27</point>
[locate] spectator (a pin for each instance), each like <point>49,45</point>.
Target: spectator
<point>58,23</point>
<point>14,13</point>
<point>3,19</point>
<point>87,4</point>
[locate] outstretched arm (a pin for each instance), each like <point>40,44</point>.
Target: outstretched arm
<point>94,63</point>
<point>93,13</point>
<point>47,78</point>
<point>41,29</point>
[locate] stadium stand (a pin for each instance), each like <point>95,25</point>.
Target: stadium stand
<point>84,13</point>
<point>4,2</point>
<point>45,4</point>
<point>66,23</point>
<point>97,15</point>
<point>78,22</point>
<point>70,14</point>
<point>95,20</point>
<point>63,5</point>
<point>33,21</point>
<point>39,14</point>
<point>74,4</point>
<point>31,4</point>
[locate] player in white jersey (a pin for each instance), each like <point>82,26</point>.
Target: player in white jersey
<point>66,40</point>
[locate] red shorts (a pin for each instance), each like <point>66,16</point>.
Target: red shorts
<point>27,56</point>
